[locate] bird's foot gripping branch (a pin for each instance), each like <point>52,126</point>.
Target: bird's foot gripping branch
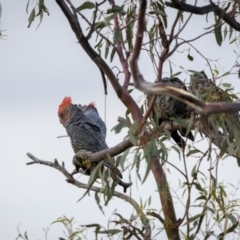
<point>96,169</point>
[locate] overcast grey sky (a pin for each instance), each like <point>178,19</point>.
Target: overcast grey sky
<point>38,68</point>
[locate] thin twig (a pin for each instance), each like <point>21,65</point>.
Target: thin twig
<point>93,23</point>
<point>173,26</point>
<point>153,214</point>
<point>212,7</point>
<point>186,41</point>
<point>119,50</point>
<point>97,31</point>
<point>184,25</point>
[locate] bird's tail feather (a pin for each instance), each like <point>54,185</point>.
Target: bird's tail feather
<point>189,135</point>
<point>178,139</point>
<point>113,168</point>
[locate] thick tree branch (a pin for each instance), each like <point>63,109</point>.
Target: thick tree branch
<point>212,7</point>
<point>99,156</point>
<point>78,184</point>
<point>170,223</point>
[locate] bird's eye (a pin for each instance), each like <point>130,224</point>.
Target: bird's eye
<point>62,115</point>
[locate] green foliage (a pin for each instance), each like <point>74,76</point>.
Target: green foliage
<point>215,203</point>
<point>37,11</point>
<point>86,5</point>
<point>116,9</point>
<point>218,32</point>
<point>20,236</point>
<point>190,57</point>
<point>71,232</point>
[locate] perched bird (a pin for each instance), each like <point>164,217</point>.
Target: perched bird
<point>167,107</point>
<point>85,134</point>
<point>205,89</point>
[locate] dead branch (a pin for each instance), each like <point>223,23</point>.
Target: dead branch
<point>73,181</point>
<point>212,7</point>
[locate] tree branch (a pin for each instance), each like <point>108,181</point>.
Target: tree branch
<point>170,223</point>
<point>212,7</point>
<point>186,41</point>
<point>165,44</point>
<point>97,31</point>
<point>153,214</point>
<point>159,175</point>
<point>94,19</point>
<point>78,184</point>
<point>99,156</point>
<point>119,50</point>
